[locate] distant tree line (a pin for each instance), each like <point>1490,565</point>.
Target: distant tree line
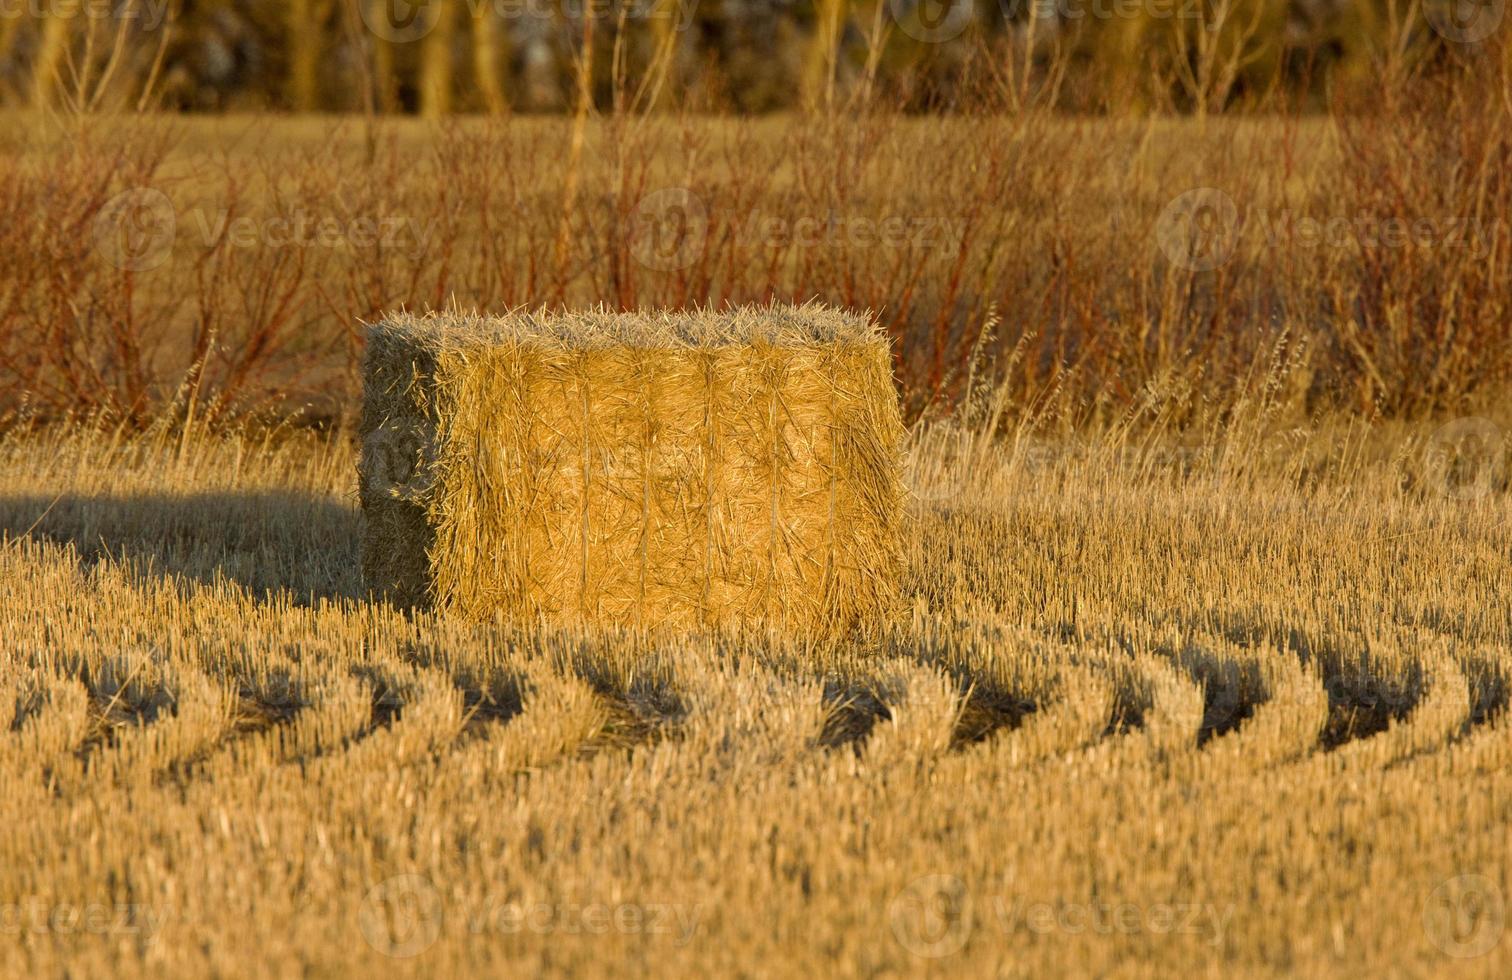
<point>436,57</point>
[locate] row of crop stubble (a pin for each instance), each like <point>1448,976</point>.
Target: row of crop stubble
<point>1150,710</point>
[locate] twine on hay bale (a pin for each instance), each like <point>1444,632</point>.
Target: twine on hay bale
<point>643,470</point>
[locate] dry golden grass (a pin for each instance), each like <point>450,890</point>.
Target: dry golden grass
<point>1233,709</point>
<point>226,265</point>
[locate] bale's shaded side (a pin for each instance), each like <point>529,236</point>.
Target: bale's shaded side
<point>398,429</point>
<point>648,470</point>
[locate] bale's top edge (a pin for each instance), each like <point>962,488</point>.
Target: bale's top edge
<point>795,326</point>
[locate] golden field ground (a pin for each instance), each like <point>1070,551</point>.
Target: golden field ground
<point>1205,659</point>
<point>1233,706</point>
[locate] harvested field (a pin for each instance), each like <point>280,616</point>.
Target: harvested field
<point>1191,653</point>
<point>1151,711</point>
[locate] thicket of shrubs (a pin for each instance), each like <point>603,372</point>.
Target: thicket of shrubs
<point>1080,265</point>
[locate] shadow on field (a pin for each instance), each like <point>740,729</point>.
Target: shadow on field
<point>302,546</point>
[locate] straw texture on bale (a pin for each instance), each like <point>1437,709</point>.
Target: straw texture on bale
<point>644,470</point>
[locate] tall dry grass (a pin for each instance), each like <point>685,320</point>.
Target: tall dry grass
<point>1362,256</point>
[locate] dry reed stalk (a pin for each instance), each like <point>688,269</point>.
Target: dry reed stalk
<point>649,471</point>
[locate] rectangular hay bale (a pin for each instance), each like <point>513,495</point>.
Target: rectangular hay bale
<point>645,470</point>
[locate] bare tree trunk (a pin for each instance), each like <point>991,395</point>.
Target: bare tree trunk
<point>436,62</point>
<point>305,26</point>
<point>52,51</point>
<point>385,86</point>
<point>824,49</point>
<point>10,27</point>
<point>490,58</point>
<point>664,60</point>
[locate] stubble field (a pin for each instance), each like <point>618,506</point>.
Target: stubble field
<point>1204,658</point>
<point>1240,706</point>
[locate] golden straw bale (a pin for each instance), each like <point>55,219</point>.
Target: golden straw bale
<point>643,470</point>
